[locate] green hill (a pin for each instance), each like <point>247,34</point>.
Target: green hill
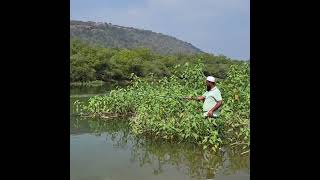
<point>114,36</point>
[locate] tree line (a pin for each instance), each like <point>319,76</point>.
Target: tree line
<point>90,62</point>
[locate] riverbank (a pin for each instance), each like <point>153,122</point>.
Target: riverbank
<point>173,119</point>
<point>99,83</point>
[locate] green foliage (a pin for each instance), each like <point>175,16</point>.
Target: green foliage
<point>89,63</point>
<point>236,108</point>
<point>157,109</point>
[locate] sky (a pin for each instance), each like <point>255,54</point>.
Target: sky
<point>220,27</point>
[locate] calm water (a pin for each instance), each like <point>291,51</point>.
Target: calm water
<point>106,150</point>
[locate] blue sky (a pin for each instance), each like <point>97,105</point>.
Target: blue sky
<point>214,26</point>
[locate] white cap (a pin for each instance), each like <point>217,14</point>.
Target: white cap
<point>211,79</point>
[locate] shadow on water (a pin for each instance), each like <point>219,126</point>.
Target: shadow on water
<point>187,158</point>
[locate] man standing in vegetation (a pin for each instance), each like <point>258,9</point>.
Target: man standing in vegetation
<point>212,99</point>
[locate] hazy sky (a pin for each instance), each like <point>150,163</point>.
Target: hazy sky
<point>214,26</point>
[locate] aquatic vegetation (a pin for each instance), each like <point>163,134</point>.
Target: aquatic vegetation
<point>158,109</point>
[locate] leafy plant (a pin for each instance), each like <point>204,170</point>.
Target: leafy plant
<point>157,109</point>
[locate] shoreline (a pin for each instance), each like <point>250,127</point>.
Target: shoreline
<point>97,83</point>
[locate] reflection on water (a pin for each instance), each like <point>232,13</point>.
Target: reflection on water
<point>107,150</point>
<point>186,158</point>
<point>91,90</point>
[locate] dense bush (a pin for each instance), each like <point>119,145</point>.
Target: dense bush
<point>157,108</point>
<point>90,63</point>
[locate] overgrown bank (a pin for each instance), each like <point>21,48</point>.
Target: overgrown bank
<point>156,107</point>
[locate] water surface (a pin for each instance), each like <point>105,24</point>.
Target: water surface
<point>105,150</point>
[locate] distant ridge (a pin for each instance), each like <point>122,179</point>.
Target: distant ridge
<point>114,36</point>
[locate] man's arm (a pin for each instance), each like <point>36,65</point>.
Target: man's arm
<point>210,112</point>
<point>200,98</point>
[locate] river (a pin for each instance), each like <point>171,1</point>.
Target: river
<point>106,150</point>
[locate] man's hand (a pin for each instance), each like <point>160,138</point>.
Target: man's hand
<point>210,113</point>
<point>189,97</point>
